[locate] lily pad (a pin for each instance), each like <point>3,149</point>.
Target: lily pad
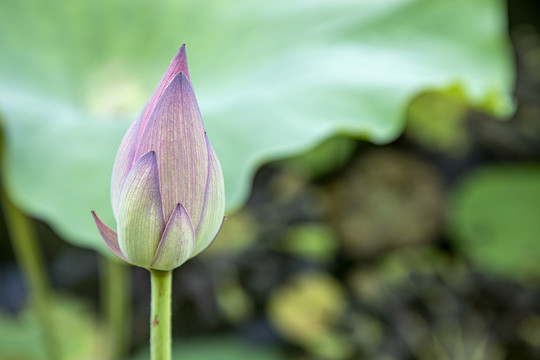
<point>272,78</point>
<point>494,220</point>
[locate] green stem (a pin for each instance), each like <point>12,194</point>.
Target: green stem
<point>116,288</point>
<point>160,315</point>
<point>25,246</point>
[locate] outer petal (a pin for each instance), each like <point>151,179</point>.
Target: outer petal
<point>178,65</point>
<point>176,133</point>
<point>125,158</point>
<point>211,217</point>
<point>109,236</point>
<point>176,243</point>
<point>123,163</point>
<point>140,216</point>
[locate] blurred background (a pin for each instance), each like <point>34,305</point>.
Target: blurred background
<point>424,247</point>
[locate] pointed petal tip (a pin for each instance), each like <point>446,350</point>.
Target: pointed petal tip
<point>148,156</point>
<point>180,56</point>
<point>177,242</point>
<point>181,83</point>
<point>177,65</point>
<point>184,77</point>
<point>109,236</point>
<point>179,62</point>
<point>180,207</point>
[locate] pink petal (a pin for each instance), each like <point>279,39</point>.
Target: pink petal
<point>175,132</point>
<point>110,237</point>
<point>125,158</point>
<point>178,65</point>
<point>123,163</point>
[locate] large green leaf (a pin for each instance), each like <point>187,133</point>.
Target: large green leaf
<point>273,78</point>
<point>494,220</point>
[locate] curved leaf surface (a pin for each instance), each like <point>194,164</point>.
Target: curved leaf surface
<point>272,79</point>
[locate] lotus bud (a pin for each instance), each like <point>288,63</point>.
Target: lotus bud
<point>167,188</point>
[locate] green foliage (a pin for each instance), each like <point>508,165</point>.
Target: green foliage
<point>222,348</point>
<point>233,301</point>
<point>239,231</point>
<point>304,311</point>
<point>316,242</point>
<point>436,120</point>
<point>20,337</point>
<point>530,330</point>
<point>494,220</point>
<point>273,79</point>
<point>329,156</point>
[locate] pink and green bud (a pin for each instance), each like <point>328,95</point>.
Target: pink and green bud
<point>167,189</point>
